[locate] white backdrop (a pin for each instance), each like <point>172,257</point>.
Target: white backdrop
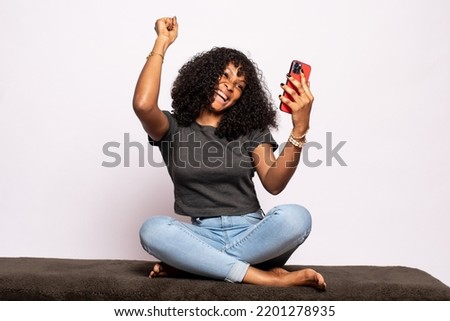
<point>380,75</point>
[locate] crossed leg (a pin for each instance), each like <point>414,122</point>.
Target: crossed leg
<point>270,276</point>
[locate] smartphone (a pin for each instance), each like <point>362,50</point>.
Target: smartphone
<point>295,69</point>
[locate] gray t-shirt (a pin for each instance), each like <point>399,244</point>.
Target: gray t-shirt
<point>211,176</point>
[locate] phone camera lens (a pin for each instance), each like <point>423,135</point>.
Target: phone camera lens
<point>296,68</point>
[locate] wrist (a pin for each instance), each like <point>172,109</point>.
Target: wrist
<point>300,123</point>
<point>161,44</point>
<point>299,132</point>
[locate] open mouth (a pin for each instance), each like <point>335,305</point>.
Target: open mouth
<point>222,96</point>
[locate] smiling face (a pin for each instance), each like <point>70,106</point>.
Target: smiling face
<point>229,89</point>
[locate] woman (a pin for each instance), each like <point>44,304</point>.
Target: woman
<point>216,138</point>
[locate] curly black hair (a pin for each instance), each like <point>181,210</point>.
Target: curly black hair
<point>193,90</point>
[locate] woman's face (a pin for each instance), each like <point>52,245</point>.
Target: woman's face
<point>229,89</point>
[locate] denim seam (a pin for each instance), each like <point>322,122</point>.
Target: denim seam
<point>234,244</point>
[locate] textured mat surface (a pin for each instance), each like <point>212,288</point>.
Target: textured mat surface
<point>69,279</point>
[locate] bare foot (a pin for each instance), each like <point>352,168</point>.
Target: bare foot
<point>306,277</point>
<point>163,270</point>
<point>280,277</point>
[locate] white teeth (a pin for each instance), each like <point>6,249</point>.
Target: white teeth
<point>222,95</point>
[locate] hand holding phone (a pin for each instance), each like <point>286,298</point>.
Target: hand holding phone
<point>295,69</point>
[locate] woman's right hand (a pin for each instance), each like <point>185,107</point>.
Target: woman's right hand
<point>167,27</point>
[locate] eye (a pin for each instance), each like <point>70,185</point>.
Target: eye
<point>241,86</point>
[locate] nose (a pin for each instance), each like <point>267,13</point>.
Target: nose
<point>229,85</point>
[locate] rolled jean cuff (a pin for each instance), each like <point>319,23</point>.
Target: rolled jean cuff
<point>237,272</point>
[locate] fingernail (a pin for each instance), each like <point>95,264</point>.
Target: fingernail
<point>288,75</point>
<point>281,84</point>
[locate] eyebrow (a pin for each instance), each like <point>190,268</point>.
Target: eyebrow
<point>236,74</point>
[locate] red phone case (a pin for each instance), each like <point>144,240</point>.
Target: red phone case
<point>294,70</point>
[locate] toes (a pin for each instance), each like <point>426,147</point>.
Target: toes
<point>320,281</point>
<point>157,269</point>
<point>315,279</point>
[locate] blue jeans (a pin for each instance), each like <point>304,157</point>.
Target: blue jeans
<point>223,247</point>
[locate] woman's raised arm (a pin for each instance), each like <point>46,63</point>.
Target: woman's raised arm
<point>145,99</point>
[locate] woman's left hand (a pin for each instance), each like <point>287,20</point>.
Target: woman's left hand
<point>301,103</point>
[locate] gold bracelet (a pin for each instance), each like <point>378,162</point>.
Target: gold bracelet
<point>300,137</point>
<point>296,142</point>
<point>155,53</point>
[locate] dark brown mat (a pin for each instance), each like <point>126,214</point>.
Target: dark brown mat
<point>69,279</point>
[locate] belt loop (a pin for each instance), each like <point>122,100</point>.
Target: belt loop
<point>262,212</point>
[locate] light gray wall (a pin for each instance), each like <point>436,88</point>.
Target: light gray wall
<point>380,75</point>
